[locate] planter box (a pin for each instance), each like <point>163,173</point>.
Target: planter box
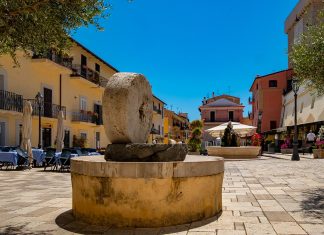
<point>318,153</point>
<point>286,151</point>
<point>243,152</point>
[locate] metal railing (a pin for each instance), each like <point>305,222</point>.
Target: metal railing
<point>59,59</point>
<point>87,116</point>
<point>11,101</point>
<point>88,74</point>
<point>156,109</point>
<point>47,109</point>
<point>222,120</point>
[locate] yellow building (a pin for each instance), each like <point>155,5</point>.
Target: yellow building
<point>74,83</point>
<point>157,131</point>
<point>176,126</point>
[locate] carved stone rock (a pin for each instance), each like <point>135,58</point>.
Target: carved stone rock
<point>127,108</point>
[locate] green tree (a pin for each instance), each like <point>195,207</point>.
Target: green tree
<point>307,57</point>
<point>40,25</point>
<point>194,142</point>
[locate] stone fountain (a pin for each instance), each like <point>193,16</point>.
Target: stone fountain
<point>137,184</point>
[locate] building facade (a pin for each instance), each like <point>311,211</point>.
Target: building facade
<point>176,126</point>
<point>217,110</point>
<point>73,83</point>
<point>267,96</point>
<point>157,130</point>
<point>310,106</point>
<point>303,15</point>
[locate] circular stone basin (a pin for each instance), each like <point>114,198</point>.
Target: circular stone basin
<point>146,194</point>
<point>243,152</point>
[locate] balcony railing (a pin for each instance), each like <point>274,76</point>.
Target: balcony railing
<point>88,74</point>
<point>59,59</point>
<point>87,116</point>
<point>156,109</point>
<point>47,109</point>
<point>11,101</point>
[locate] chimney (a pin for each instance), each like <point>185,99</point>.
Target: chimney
<point>213,94</point>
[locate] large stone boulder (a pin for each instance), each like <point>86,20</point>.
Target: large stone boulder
<point>127,108</point>
<point>146,152</point>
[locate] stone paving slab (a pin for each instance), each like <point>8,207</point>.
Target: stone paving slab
<point>269,195</point>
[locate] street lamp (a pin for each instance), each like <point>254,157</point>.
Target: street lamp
<point>295,155</point>
<point>39,99</point>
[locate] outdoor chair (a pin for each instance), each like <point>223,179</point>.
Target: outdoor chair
<point>65,160</point>
<point>50,159</point>
<point>22,157</point>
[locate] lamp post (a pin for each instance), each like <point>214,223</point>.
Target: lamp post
<point>295,155</point>
<point>39,99</point>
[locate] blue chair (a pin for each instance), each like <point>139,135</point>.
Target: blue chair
<point>65,160</point>
<point>50,159</point>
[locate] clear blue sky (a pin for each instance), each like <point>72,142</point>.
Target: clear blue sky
<point>188,49</point>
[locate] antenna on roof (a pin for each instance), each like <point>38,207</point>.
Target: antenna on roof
<point>171,106</point>
<point>229,90</point>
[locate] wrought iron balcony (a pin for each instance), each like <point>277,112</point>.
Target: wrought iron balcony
<point>88,74</point>
<point>47,109</point>
<point>59,59</point>
<point>87,116</point>
<point>156,109</point>
<point>11,101</point>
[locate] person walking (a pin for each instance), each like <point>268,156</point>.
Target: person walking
<point>311,137</point>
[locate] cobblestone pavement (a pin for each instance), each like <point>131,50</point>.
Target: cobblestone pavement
<point>271,195</point>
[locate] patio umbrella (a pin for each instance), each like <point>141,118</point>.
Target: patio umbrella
<point>239,128</point>
<point>27,130</point>
<point>60,132</point>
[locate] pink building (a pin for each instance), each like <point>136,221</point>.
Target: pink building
<point>220,109</point>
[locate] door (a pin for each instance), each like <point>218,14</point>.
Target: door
<point>230,115</point>
<point>48,112</point>
<point>83,66</point>
<point>2,133</point>
<point>66,139</point>
<point>212,116</point>
<point>47,137</point>
<point>98,114</point>
<point>97,140</point>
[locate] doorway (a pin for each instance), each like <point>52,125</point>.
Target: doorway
<point>212,116</point>
<point>47,137</point>
<point>2,133</point>
<point>48,112</point>
<point>83,66</point>
<point>98,114</point>
<point>66,138</point>
<point>231,115</point>
<point>97,140</point>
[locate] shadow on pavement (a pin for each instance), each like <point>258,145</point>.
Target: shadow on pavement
<point>313,205</point>
<point>21,229</point>
<point>67,222</point>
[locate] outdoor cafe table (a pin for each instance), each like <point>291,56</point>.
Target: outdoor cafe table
<point>10,157</point>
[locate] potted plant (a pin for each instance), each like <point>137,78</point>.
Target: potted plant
<point>318,152</point>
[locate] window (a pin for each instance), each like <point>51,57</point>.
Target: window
<point>83,103</point>
<point>273,83</point>
<point>257,86</point>
<point>83,135</point>
<point>273,125</point>
<point>97,67</point>
<point>231,115</point>
<point>2,82</point>
<point>212,116</point>
<point>313,102</point>
<point>159,129</point>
